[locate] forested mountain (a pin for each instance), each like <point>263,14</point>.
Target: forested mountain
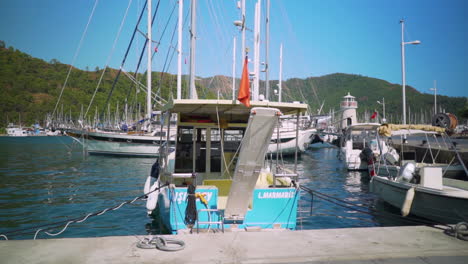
<point>30,88</point>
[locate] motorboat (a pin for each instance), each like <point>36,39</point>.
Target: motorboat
<point>418,188</point>
<point>355,140</point>
<point>216,170</point>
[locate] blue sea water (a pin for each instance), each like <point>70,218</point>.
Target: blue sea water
<point>48,179</point>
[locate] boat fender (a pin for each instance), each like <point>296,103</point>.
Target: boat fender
<point>152,197</point>
<point>146,188</point>
<point>406,207</point>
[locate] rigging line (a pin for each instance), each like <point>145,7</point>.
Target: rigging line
<point>76,55</point>
<point>142,88</point>
<point>110,55</point>
<point>158,43</point>
<point>135,74</point>
<point>164,69</point>
<point>128,49</point>
<point>169,50</point>
<point>215,20</point>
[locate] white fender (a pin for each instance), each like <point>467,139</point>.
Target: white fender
<point>146,189</point>
<point>152,200</point>
<point>405,209</point>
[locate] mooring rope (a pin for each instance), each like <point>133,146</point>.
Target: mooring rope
<point>74,220</point>
<point>459,231</point>
<point>161,243</point>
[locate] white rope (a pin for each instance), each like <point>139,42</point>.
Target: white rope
<point>109,56</point>
<point>76,54</point>
<point>84,218</point>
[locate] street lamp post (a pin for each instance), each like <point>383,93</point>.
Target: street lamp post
<point>383,105</point>
<point>403,43</point>
<point>435,96</point>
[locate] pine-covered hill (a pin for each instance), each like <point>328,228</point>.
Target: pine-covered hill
<point>330,89</point>
<point>30,88</point>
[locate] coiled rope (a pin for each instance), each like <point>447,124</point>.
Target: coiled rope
<point>459,231</point>
<point>74,220</point>
<point>161,243</point>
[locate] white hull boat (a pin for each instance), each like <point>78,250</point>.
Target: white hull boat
<point>120,144</point>
<point>446,203</point>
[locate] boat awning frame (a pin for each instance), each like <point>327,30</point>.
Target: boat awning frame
<point>228,107</point>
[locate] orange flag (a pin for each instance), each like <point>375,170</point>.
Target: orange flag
<point>244,89</point>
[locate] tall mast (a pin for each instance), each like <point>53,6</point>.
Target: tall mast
<point>267,51</point>
<point>148,74</point>
<point>280,72</point>
<point>193,32</point>
<point>179,51</point>
<point>256,82</point>
<point>234,70</point>
<point>402,22</point>
<point>243,30</point>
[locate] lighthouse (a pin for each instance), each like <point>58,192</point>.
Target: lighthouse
<point>348,108</point>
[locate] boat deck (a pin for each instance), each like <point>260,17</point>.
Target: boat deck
<point>416,244</point>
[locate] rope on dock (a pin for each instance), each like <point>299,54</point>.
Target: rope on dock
<point>161,243</point>
<point>459,231</point>
<point>74,220</point>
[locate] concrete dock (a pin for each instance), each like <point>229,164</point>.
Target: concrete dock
<point>415,244</point>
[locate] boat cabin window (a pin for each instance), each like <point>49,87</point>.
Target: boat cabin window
<point>201,148</point>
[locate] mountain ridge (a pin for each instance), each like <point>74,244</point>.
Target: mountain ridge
<point>31,87</point>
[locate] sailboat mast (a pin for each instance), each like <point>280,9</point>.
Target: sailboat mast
<point>193,30</point>
<point>148,80</point>
<point>256,51</point>
<point>243,30</point>
<point>267,51</point>
<point>280,73</point>
<point>234,69</point>
<point>179,51</point>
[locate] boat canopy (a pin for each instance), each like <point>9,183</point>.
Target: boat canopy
<point>227,108</point>
<point>363,126</point>
<point>394,129</point>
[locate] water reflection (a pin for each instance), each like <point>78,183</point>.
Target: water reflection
<point>43,181</point>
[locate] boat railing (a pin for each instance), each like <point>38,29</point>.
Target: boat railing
<point>183,175</point>
<point>219,222</point>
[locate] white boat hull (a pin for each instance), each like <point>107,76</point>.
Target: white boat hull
<point>103,143</point>
<point>288,147</point>
<point>449,205</point>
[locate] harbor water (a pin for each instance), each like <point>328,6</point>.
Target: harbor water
<point>45,180</point>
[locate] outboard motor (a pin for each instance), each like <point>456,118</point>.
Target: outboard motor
<point>367,154</point>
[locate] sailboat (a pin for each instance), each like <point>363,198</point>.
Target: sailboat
<point>140,143</point>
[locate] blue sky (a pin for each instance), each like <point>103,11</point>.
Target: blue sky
<point>319,37</point>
